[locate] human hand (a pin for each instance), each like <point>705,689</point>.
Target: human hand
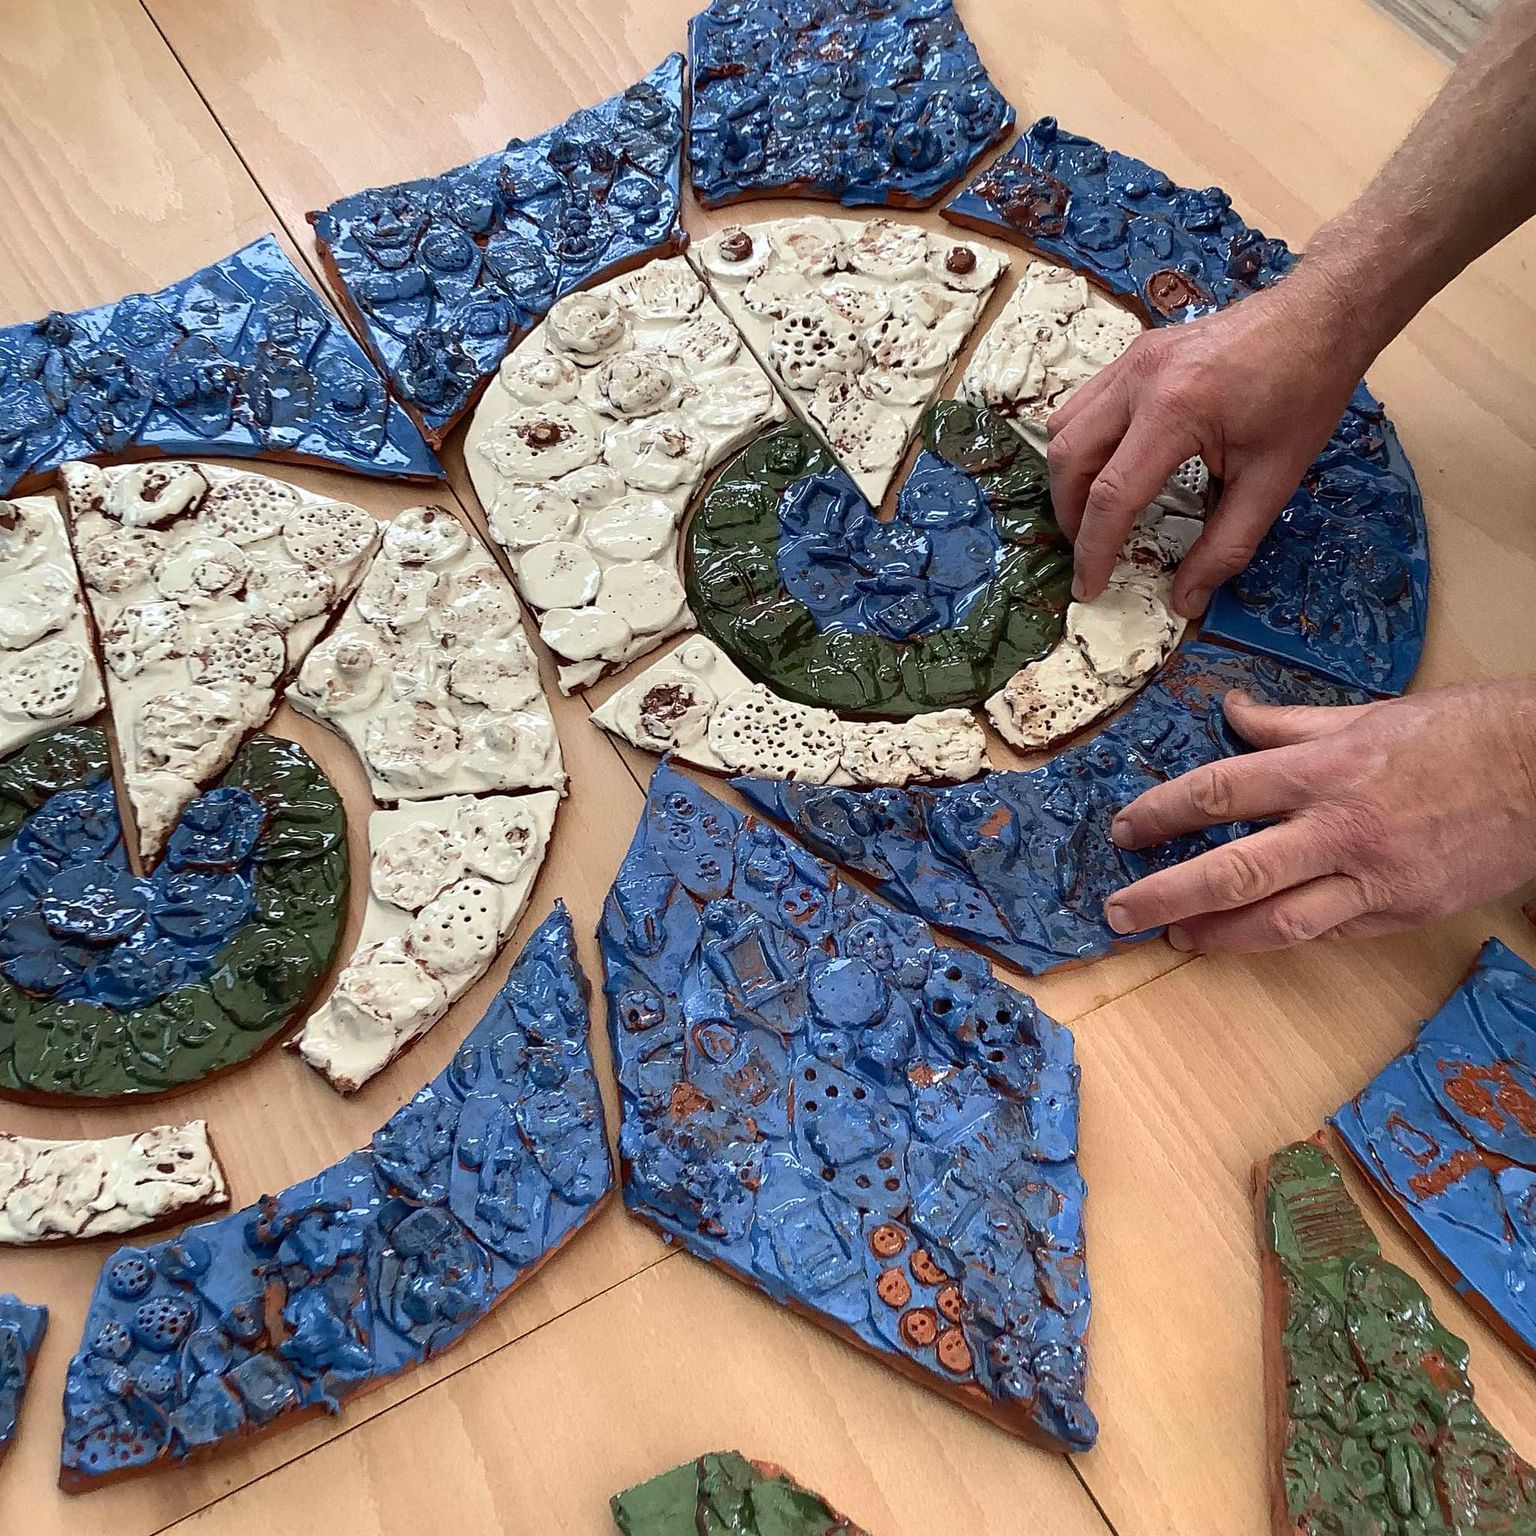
<point>1385,816</point>
<point>1256,390</point>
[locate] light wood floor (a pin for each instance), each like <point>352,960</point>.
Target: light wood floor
<point>139,141</point>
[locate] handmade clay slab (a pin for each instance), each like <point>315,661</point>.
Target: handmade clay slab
<point>429,676</point>
<point>21,1335</point>
<point>241,359</point>
<point>838,1110</point>
<point>589,445</point>
<point>700,707</point>
<point>55,1190</point>
<point>1372,1423</point>
<point>791,572</point>
<point>1021,862</point>
<point>858,321</point>
<point>113,985</point>
<point>443,274</point>
<point>307,1299</point>
<point>862,101</point>
<point>447,882</point>
<point>48,672</point>
<point>1341,582</point>
<point>1447,1133</point>
<point>207,586</point>
<point>722,1492</point>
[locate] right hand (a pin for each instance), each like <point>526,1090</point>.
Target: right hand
<point>1256,390</point>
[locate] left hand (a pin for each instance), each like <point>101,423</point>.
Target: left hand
<point>1385,816</point>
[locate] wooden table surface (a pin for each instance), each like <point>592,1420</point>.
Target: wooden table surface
<point>140,141</point>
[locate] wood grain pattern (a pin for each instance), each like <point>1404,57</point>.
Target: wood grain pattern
<point>139,142</point>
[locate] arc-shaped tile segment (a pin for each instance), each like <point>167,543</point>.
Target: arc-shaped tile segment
<point>835,1108</point>
<point>308,1298</point>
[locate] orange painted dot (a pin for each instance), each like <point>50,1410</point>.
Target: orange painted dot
<point>954,1352</point>
<point>892,1289</point>
<point>886,1241</point>
<point>925,1271</point>
<point>948,1301</point>
<point>919,1327</point>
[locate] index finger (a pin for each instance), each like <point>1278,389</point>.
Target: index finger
<point>1257,786</point>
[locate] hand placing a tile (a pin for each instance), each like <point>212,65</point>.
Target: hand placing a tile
<point>1381,817</point>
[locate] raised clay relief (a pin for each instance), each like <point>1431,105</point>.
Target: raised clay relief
<point>700,707</point>
<point>722,1492</point>
<point>1372,1423</point>
<point>1020,862</point>
<point>51,1191</point>
<point>836,1109</point>
<point>207,586</point>
<point>48,672</point>
<point>444,273</point>
<point>864,103</point>
<point>240,360</point>
<point>1447,1133</point>
<point>589,445</point>
<point>308,1298</point>
<point>114,985</point>
<point>859,322</point>
<point>447,882</point>
<point>21,1336</point>
<point>429,676</point>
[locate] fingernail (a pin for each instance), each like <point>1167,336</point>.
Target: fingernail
<point>1194,602</point>
<point>1179,938</point>
<point>1117,917</point>
<point>1120,832</point>
<point>1079,589</point>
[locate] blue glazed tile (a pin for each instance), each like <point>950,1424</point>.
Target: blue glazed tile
<point>21,1333</point>
<point>846,1114</point>
<point>239,360</point>
<point>860,101</point>
<point>1021,862</point>
<point>375,1265</point>
<point>1447,1132</point>
<point>1341,583</point>
<point>444,273</point>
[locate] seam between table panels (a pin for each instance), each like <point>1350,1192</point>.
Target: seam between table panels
<point>1093,1498</point>
<point>363,1422</point>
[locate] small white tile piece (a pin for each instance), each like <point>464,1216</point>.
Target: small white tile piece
<point>429,676</point>
<point>52,1191</point>
<point>697,704</point>
<point>48,672</point>
<point>860,322</point>
<point>208,586</point>
<point>589,445</point>
<point>448,880</point>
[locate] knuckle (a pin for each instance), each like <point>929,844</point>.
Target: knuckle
<point>1226,557</point>
<point>1236,879</point>
<point>1358,830</point>
<point>1213,795</point>
<point>1288,925</point>
<point>1107,493</point>
<point>1061,451</point>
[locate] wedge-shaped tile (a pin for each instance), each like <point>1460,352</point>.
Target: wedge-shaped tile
<point>308,1298</point>
<point>835,1108</point>
<point>21,1335</point>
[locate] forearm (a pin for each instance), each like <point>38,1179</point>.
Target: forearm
<point>1463,179</point>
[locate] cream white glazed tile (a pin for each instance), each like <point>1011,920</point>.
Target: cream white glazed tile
<point>52,1191</point>
<point>447,882</point>
<point>859,321</point>
<point>48,672</point>
<point>591,441</point>
<point>429,676</point>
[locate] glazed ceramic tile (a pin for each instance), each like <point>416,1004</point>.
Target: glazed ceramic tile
<point>859,101</point>
<point>21,1335</point>
<point>790,571</point>
<point>54,1190</point>
<point>240,360</point>
<point>831,1106</point>
<point>429,676</point>
<point>1373,1426</point>
<point>48,672</point>
<point>442,274</point>
<point>208,586</point>
<point>114,986</point>
<point>1021,862</point>
<point>700,707</point>
<point>311,1297</point>
<point>1341,582</point>
<point>1447,1132</point>
<point>859,322</point>
<point>724,1492</point>
<point>589,446</point>
<point>448,880</point>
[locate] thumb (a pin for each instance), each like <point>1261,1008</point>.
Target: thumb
<point>1284,725</point>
